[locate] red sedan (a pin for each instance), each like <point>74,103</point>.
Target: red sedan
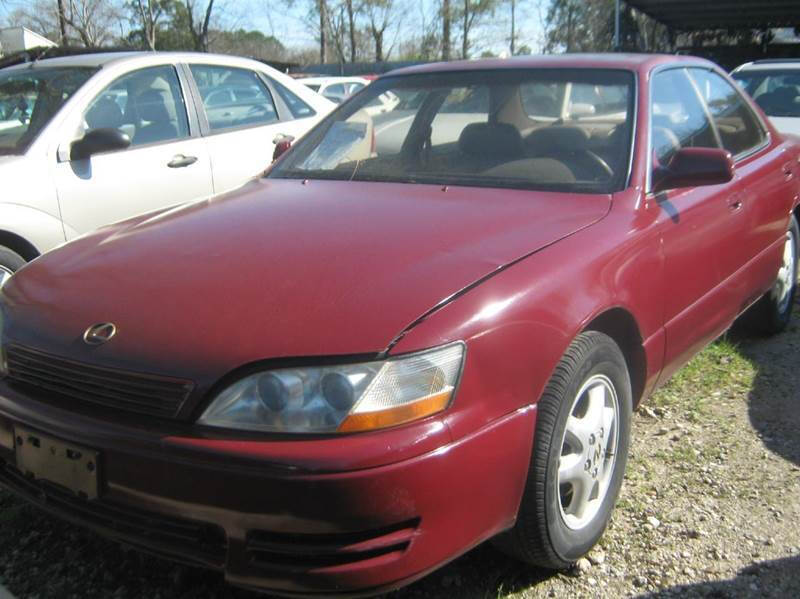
<point>420,330</point>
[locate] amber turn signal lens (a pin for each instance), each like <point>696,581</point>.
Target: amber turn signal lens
<point>397,415</point>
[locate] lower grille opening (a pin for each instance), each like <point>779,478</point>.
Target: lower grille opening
<point>185,540</point>
<point>298,551</point>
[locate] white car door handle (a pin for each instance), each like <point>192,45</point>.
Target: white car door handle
<point>179,161</point>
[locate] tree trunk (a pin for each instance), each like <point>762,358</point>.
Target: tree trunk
<point>322,39</point>
<point>513,27</point>
<point>62,23</point>
<point>465,31</point>
<point>352,25</point>
<point>445,29</point>
<point>569,28</point>
<point>378,35</point>
<point>204,30</point>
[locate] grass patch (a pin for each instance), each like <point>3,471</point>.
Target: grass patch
<point>716,371</point>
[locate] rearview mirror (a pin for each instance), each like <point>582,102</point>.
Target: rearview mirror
<point>693,167</point>
<point>97,141</point>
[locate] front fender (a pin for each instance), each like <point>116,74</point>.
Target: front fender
<point>518,323</point>
<point>42,230</point>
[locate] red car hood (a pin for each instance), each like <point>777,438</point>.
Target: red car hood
<point>280,268</point>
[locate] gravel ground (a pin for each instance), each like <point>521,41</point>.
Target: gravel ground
<point>710,508</point>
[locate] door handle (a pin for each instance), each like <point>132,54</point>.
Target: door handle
<point>735,202</point>
<point>787,171</point>
<point>179,161</point>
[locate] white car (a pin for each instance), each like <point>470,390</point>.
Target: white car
<point>775,86</point>
<point>91,139</point>
<point>335,89</point>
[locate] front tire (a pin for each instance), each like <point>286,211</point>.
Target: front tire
<point>579,455</point>
<point>10,262</point>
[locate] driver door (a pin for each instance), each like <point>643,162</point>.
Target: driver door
<point>166,163</point>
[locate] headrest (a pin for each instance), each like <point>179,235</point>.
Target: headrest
<point>106,113</point>
<point>556,137</point>
<point>152,106</point>
<point>490,139</point>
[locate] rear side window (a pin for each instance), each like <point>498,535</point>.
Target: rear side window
<point>296,106</point>
<point>233,97</point>
<point>679,119</point>
<point>739,130</point>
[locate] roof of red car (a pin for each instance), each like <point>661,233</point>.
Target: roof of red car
<point>632,62</point>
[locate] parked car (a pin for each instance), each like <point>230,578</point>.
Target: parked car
<point>775,86</point>
<point>362,365</point>
<point>91,139</point>
<point>335,89</point>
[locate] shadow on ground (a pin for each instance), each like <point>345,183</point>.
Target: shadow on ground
<point>774,400</point>
<point>776,578</point>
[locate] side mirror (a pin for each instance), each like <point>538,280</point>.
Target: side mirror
<point>97,141</point>
<point>694,167</point>
<point>282,143</point>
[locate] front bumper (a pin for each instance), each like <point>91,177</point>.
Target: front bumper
<point>294,521</point>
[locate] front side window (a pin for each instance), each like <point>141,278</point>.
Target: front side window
<point>739,130</point>
<point>147,105</point>
<point>30,97</point>
<point>679,119</point>
<point>296,106</point>
<point>777,92</point>
<point>233,97</point>
<point>473,128</point>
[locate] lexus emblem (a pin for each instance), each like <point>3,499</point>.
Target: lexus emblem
<point>98,334</point>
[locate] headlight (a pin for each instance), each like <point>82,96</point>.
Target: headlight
<point>345,398</point>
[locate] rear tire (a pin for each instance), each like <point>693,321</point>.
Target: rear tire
<point>579,454</point>
<point>773,312</point>
<point>10,262</point>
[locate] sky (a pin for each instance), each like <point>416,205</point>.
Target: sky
<point>288,24</point>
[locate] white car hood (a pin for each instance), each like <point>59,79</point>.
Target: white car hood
<point>786,124</point>
<point>8,159</point>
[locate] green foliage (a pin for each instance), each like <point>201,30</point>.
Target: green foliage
<point>252,44</point>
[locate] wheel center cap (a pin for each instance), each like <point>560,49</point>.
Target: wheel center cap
<point>594,462</point>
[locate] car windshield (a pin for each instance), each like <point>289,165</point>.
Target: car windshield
<point>561,130</point>
<point>29,98</point>
<point>776,91</point>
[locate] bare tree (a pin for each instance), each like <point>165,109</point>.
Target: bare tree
<point>90,23</point>
<point>379,14</point>
<point>323,20</point>
<point>471,12</point>
<point>148,13</point>
<point>91,20</point>
<point>351,21</point>
<point>62,24</point>
<point>198,22</point>
<point>513,42</point>
<point>446,16</point>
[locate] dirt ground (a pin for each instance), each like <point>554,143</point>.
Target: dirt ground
<point>710,508</point>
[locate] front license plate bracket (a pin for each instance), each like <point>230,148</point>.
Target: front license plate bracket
<point>68,465</point>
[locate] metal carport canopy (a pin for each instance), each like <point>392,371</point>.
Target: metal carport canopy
<point>721,14</point>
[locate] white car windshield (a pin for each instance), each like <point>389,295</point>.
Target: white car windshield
<point>565,129</point>
<point>30,97</point>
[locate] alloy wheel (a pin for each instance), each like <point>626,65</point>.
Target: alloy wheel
<point>588,452</point>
